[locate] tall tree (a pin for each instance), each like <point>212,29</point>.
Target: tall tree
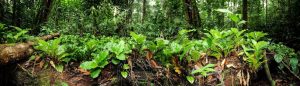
<point>16,13</point>
<point>192,13</point>
<point>42,15</point>
<point>2,2</point>
<point>144,10</point>
<point>245,13</point>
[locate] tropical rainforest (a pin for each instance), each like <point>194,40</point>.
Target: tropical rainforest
<point>149,42</point>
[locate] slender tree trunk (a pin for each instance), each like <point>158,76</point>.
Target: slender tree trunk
<point>15,15</point>
<point>42,15</point>
<point>129,13</point>
<point>128,18</point>
<point>144,10</point>
<point>192,13</point>
<point>266,15</point>
<point>221,15</point>
<point>245,13</point>
<point>2,9</point>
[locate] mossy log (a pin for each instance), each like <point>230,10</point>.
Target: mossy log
<point>10,53</point>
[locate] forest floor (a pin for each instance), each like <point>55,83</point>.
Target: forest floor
<point>38,72</point>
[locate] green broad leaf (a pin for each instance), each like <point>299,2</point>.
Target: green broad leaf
<point>167,52</point>
<point>115,61</point>
<point>176,48</point>
<point>121,57</point>
<point>294,63</point>
<point>66,59</point>
<point>256,35</point>
<point>124,74</point>
<point>191,79</point>
<point>64,84</point>
<point>43,46</point>
<point>209,69</point>
<point>101,56</point>
<point>184,32</point>
<point>118,48</point>
<point>210,65</point>
<point>22,32</point>
<point>278,58</point>
<point>224,11</point>
<point>195,55</point>
<point>261,45</point>
<point>91,44</point>
<point>204,70</point>
<point>95,73</point>
<point>103,64</point>
<point>61,51</point>
<point>204,74</point>
<point>242,22</point>
<point>55,43</point>
<point>31,58</point>
<point>160,42</point>
<point>234,18</point>
<point>216,54</point>
<point>126,66</point>
<point>59,67</point>
<point>140,39</point>
<point>215,33</point>
<point>88,65</point>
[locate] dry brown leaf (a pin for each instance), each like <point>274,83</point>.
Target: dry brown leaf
<point>83,71</point>
<point>202,55</point>
<point>149,55</point>
<point>41,64</point>
<point>37,58</point>
<point>223,63</point>
<point>154,64</point>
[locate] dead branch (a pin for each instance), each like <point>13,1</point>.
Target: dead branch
<point>10,53</point>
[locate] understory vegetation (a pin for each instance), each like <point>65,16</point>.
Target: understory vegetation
<point>156,42</point>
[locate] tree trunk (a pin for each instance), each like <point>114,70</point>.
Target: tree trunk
<point>245,13</point>
<point>16,13</point>
<point>144,10</point>
<point>192,13</point>
<point>42,15</point>
<point>128,18</point>
<point>2,9</point>
<point>10,53</point>
<point>266,15</point>
<point>221,15</point>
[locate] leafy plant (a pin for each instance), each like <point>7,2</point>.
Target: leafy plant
<point>255,53</point>
<point>120,49</point>
<point>191,79</point>
<point>124,73</point>
<point>219,43</point>
<point>256,35</point>
<point>140,39</point>
<point>285,57</point>
<point>99,61</point>
<point>13,34</point>
<point>204,70</point>
<point>54,50</point>
<point>236,18</point>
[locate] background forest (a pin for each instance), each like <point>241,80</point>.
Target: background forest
<point>153,18</point>
<point>103,35</point>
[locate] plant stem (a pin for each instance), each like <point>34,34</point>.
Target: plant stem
<point>267,70</point>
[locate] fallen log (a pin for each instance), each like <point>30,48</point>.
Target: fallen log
<point>10,53</point>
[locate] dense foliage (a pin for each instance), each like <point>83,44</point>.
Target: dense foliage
<point>174,33</point>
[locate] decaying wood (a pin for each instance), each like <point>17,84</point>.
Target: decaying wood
<point>14,52</point>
